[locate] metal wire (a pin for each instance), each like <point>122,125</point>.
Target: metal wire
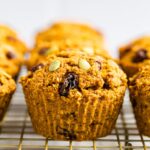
<point>16,132</point>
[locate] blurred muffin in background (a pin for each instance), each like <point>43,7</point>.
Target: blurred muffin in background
<point>70,30</point>
<point>12,51</point>
<point>66,36</point>
<point>139,87</point>
<point>135,55</point>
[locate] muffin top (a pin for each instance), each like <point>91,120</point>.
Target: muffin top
<point>135,46</point>
<point>77,76</point>
<point>135,54</point>
<point>7,84</point>
<point>69,30</point>
<point>66,25</point>
<point>5,31</point>
<point>139,84</point>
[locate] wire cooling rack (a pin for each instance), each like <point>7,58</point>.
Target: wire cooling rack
<point>16,132</point>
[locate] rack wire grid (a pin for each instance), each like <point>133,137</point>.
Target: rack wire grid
<point>16,132</point>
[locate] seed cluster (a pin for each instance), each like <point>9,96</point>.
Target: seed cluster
<point>83,64</point>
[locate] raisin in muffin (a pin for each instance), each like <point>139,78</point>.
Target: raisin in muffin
<point>74,97</point>
<point>68,30</point>
<point>40,52</point>
<point>139,87</point>
<point>135,55</point>
<point>11,60</point>
<point>7,88</point>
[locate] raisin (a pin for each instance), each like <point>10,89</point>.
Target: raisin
<point>10,38</point>
<point>70,135</point>
<point>94,87</point>
<point>106,85</point>
<point>128,49</point>
<point>1,83</point>
<point>140,56</point>
<point>36,67</point>
<point>99,65</point>
<point>71,81</point>
<point>134,103</point>
<point>10,55</point>
<point>43,50</point>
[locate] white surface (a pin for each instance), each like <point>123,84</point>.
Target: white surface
<point>119,20</point>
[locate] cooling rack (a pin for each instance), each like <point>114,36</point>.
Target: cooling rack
<point>16,132</point>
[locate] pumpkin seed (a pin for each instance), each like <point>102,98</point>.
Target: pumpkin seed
<point>54,65</point>
<point>83,64</point>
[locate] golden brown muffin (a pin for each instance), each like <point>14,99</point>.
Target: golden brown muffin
<point>74,97</point>
<point>139,87</point>
<point>67,31</point>
<point>7,88</point>
<point>135,55</point>
<point>44,49</point>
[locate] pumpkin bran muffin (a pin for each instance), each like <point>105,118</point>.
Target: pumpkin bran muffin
<point>135,55</point>
<point>7,88</point>
<point>74,97</point>
<point>139,87</point>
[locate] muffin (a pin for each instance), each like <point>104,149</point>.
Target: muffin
<point>135,55</point>
<point>75,97</point>
<point>68,30</point>
<point>40,52</point>
<point>139,87</point>
<point>7,88</point>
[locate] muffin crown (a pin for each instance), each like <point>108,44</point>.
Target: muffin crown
<point>78,73</point>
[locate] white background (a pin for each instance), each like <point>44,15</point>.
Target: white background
<point>119,20</point>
